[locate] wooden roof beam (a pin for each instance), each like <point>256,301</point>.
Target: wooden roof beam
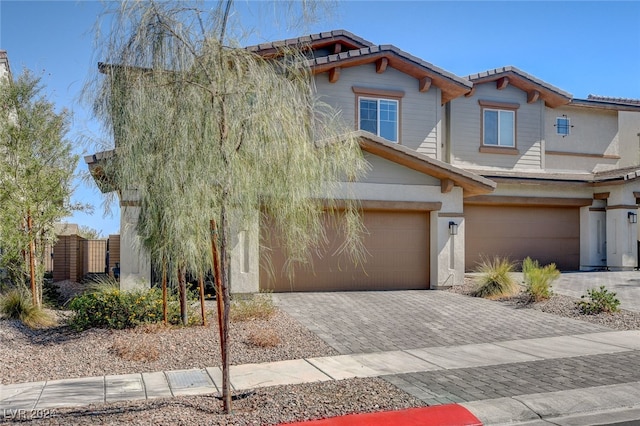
<point>337,48</point>
<point>446,185</point>
<point>334,74</point>
<point>424,84</point>
<point>533,96</point>
<point>381,65</point>
<point>502,83</point>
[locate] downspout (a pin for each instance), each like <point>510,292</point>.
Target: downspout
<point>447,132</point>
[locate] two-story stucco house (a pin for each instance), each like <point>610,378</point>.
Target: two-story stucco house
<point>495,163</point>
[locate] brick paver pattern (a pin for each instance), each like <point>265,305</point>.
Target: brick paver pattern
<point>365,322</point>
<point>507,380</point>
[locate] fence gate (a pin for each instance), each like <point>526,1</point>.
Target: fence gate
<point>94,257</point>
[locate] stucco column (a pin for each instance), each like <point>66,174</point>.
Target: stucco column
<point>244,273</point>
<point>135,266</point>
<point>622,247</point>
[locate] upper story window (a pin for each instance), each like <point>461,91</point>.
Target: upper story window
<point>498,124</point>
<point>563,126</point>
<point>378,112</point>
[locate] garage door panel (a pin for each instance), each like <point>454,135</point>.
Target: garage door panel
<point>397,254</point>
<point>547,234</point>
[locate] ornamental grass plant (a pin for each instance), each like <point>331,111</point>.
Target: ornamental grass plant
<point>496,278</point>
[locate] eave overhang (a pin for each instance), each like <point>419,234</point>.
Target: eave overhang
<point>95,163</point>
<point>338,40</point>
<point>471,183</point>
<point>536,89</point>
<point>609,177</point>
<point>425,73</point>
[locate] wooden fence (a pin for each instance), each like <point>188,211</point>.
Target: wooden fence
<point>74,257</point>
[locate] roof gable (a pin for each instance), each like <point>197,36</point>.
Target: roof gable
<point>535,88</point>
<point>340,39</point>
<point>425,73</point>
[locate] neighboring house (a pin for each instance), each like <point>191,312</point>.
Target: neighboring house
<point>496,163</point>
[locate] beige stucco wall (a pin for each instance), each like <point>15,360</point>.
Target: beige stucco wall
<point>594,132</point>
<point>420,113</point>
<point>135,266</point>
<point>465,131</point>
<point>629,136</point>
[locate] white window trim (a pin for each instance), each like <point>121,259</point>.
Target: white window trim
<point>378,95</point>
<point>568,127</point>
<point>499,106</point>
<point>513,126</point>
<point>378,111</point>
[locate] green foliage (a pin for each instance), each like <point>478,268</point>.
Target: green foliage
<point>89,233</point>
<point>529,264</point>
<point>17,304</point>
<point>496,279</point>
<point>258,306</point>
<point>105,306</point>
<point>242,135</point>
<point>597,301</point>
<point>539,279</point>
<point>36,171</point>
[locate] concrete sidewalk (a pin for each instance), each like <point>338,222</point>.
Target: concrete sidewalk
<point>621,398</point>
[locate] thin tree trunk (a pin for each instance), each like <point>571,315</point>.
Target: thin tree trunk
<point>202,308</point>
<point>182,286</point>
<point>226,394</point>
<point>32,265</point>
<point>226,384</point>
<point>164,291</point>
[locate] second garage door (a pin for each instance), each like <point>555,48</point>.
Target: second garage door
<point>546,234</point>
<point>397,246</point>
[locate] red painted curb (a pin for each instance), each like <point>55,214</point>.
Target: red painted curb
<point>439,415</point>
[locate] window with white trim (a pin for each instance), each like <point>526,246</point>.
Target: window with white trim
<point>498,121</point>
<point>379,116</point>
<point>499,127</point>
<point>563,126</point>
<point>378,112</point>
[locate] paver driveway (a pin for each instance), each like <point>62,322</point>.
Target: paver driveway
<point>363,322</point>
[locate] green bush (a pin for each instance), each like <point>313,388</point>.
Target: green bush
<point>496,278</point>
<point>528,265</point>
<point>17,304</point>
<point>105,306</point>
<point>600,300</point>
<point>539,279</point>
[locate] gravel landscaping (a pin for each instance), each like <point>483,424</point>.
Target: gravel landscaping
<point>34,355</point>
<point>564,306</point>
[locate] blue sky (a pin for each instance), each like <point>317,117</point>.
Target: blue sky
<point>582,47</point>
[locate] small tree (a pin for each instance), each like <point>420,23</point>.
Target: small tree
<point>36,173</point>
<point>216,139</point>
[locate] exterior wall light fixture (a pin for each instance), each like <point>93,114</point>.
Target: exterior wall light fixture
<point>633,217</point>
<point>453,228</point>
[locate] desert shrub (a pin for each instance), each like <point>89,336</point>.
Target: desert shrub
<point>141,348</point>
<point>264,338</point>
<point>17,304</point>
<point>106,306</point>
<point>539,279</point>
<point>258,306</point>
<point>597,301</point>
<point>496,278</point>
<point>528,265</point>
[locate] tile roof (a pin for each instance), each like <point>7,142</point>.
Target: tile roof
<point>347,38</point>
<point>625,101</point>
<point>622,174</point>
<point>551,94</point>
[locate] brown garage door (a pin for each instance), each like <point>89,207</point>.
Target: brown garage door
<point>397,258</point>
<point>546,234</point>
